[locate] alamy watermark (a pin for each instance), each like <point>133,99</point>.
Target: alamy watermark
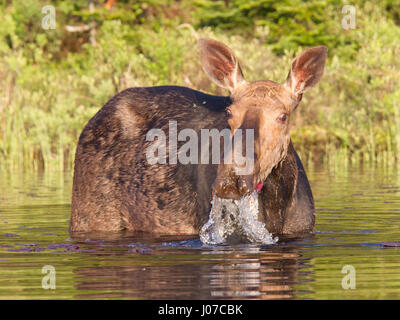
<point>49,20</point>
<point>349,18</point>
<point>49,280</point>
<point>349,280</point>
<point>197,151</point>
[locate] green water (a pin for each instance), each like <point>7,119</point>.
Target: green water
<point>357,210</point>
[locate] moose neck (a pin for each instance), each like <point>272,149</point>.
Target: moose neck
<point>278,191</point>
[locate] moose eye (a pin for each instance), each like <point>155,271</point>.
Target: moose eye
<point>229,113</point>
<point>282,118</point>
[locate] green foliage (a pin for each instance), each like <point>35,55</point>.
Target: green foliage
<point>288,23</point>
<point>54,81</point>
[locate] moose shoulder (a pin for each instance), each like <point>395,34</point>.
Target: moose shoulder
<point>116,187</point>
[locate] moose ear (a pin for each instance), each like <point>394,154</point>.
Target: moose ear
<point>220,64</point>
<point>306,70</point>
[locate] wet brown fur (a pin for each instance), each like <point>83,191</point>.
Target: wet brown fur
<point>115,188</point>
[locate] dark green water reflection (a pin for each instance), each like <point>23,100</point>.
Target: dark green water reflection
<point>357,210</point>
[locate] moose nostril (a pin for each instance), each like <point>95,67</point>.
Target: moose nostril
<point>242,186</point>
<point>241,183</point>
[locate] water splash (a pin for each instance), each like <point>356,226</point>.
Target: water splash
<point>233,221</point>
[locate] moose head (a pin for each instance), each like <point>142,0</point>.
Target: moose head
<point>264,106</point>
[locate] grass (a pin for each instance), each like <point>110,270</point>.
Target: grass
<point>53,83</point>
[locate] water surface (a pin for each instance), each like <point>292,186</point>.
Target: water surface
<point>357,210</point>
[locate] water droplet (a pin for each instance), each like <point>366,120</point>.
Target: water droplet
<point>241,224</point>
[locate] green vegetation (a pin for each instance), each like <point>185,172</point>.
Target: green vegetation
<point>53,81</point>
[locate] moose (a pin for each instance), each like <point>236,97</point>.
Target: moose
<point>115,187</point>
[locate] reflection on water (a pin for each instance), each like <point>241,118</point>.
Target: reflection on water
<point>357,210</point>
<point>241,272</point>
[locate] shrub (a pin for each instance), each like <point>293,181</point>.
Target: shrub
<point>50,89</point>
